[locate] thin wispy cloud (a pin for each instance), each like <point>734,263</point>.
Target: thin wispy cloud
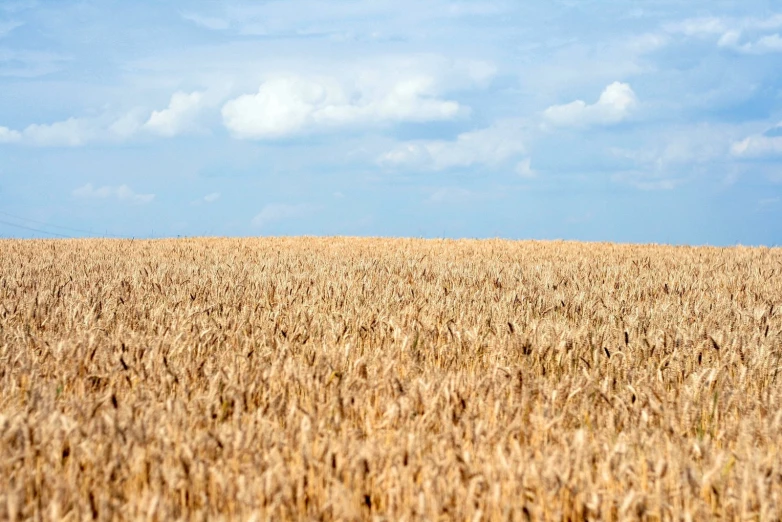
<point>451,195</point>
<point>525,170</point>
<point>484,147</point>
<point>206,200</point>
<point>275,212</point>
<point>8,26</point>
<point>23,63</point>
<point>212,23</point>
<point>121,193</point>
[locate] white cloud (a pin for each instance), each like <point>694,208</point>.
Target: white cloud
<point>490,146</point>
<point>685,145</point>
<point>525,170</point>
<point>293,104</point>
<point>72,132</point>
<point>127,125</point>
<point>122,193</point>
<point>698,26</point>
<point>206,200</point>
<point>180,115</point>
<point>9,136</point>
<point>280,211</point>
<point>683,152</point>
<point>768,143</point>
<point>384,90</point>
<point>771,43</point>
<point>75,132</point>
<point>711,26</point>
<point>207,22</point>
<point>744,35</point>
<point>616,102</point>
<point>758,145</point>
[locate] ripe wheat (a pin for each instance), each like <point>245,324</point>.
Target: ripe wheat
<point>353,379</point>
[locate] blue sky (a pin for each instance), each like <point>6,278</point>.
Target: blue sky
<point>611,120</point>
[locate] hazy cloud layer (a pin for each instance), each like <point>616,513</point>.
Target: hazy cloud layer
<point>484,147</point>
<point>274,212</point>
<point>121,193</point>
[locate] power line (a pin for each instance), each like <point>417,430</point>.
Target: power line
<point>34,229</point>
<point>71,229</point>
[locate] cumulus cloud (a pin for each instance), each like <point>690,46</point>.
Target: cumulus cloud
<point>274,212</point>
<point>126,126</point>
<point>293,104</point>
<point>399,89</point>
<point>180,115</point>
<point>9,136</point>
<point>75,132</point>
<point>525,170</point>
<point>122,193</point>
<point>615,104</point>
<point>72,132</point>
<point>490,146</point>
<point>760,145</point>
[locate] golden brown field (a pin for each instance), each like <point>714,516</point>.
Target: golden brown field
<point>357,379</point>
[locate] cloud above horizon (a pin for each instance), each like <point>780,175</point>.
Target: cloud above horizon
<point>406,90</point>
<point>484,147</point>
<point>180,115</point>
<point>274,212</point>
<point>121,193</point>
<point>615,104</point>
<point>766,144</point>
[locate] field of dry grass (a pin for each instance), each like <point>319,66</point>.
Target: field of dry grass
<point>358,379</point>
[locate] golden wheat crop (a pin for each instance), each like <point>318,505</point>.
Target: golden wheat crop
<point>353,379</point>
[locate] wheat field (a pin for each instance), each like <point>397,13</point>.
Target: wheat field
<point>388,379</point>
